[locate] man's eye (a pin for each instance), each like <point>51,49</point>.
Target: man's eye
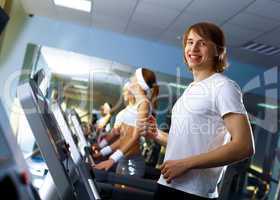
<point>189,43</point>
<point>202,43</point>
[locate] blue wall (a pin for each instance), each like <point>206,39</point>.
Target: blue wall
<point>22,30</point>
<point>121,48</point>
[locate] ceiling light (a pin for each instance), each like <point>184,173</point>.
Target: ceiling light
<point>83,5</point>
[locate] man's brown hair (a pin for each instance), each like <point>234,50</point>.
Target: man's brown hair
<point>211,32</point>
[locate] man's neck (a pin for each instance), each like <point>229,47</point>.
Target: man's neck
<point>202,73</point>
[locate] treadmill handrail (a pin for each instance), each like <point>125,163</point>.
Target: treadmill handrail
<point>140,183</point>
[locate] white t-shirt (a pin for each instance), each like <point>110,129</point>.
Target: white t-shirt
<point>197,127</point>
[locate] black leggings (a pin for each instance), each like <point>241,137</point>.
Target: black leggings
<point>167,193</point>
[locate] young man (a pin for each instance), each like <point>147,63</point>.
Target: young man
<point>209,124</point>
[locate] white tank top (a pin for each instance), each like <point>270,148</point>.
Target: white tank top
<point>129,115</point>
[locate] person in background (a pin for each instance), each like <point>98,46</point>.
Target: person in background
<point>111,137</point>
<point>126,150</point>
<point>103,124</point>
<point>87,129</point>
<point>209,124</point>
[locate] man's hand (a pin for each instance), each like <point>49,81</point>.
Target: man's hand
<point>105,165</point>
<point>171,169</point>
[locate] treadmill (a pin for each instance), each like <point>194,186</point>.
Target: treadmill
<point>106,180</point>
<point>83,162</point>
<point>67,133</point>
<point>143,188</point>
<point>75,126</point>
<point>15,181</point>
<point>70,180</point>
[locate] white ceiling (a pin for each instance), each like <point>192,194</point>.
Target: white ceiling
<point>166,20</point>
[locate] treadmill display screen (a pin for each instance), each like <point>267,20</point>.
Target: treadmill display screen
<point>52,128</point>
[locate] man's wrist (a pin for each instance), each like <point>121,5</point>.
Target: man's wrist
<point>189,163</point>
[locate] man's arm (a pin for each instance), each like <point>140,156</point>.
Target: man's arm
<point>240,147</point>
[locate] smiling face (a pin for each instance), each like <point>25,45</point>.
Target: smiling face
<point>199,52</point>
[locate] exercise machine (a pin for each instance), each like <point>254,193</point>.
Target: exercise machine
<point>70,181</point>
<point>15,182</point>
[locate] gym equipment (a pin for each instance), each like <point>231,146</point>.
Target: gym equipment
<point>78,131</point>
<point>14,175</point>
<point>71,180</point>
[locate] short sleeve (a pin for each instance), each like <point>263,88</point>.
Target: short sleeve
<point>229,99</point>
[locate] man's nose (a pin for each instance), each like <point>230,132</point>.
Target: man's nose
<point>194,46</point>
